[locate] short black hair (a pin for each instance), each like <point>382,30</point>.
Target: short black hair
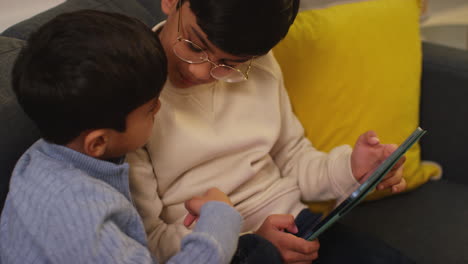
<point>87,70</point>
<point>245,27</point>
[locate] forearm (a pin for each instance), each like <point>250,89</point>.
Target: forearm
<point>163,239</point>
<point>320,176</point>
<point>326,177</point>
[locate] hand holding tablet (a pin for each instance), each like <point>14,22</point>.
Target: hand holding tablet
<point>314,230</point>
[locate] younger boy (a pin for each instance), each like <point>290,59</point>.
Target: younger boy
<point>91,81</point>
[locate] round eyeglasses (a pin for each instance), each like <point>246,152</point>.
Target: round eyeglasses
<point>190,52</point>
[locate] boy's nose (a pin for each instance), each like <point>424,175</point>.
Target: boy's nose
<point>201,72</point>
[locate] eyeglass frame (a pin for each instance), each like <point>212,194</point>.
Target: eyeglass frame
<point>207,58</point>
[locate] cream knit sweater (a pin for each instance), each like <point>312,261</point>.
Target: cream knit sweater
<point>242,138</point>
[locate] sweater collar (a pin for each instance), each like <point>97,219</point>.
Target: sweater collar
<point>114,173</point>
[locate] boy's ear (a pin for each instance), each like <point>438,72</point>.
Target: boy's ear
<point>96,143</point>
<point>167,5</point>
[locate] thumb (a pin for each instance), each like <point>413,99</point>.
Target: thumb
<point>369,137</point>
<point>284,222</point>
<point>194,205</point>
<point>189,219</point>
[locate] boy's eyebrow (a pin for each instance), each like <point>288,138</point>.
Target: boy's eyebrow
<point>199,36</point>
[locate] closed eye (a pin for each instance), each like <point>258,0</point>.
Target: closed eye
<point>194,47</point>
<point>227,64</point>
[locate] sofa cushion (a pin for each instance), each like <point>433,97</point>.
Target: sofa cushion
<point>354,67</point>
<point>17,131</point>
<point>148,11</point>
<point>428,224</point>
<point>444,109</point>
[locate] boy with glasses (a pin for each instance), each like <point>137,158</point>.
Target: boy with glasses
<point>228,121</point>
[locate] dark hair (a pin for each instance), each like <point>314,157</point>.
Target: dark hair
<point>87,70</point>
<point>245,27</point>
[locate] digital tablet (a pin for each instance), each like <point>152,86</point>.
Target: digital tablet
<point>361,192</point>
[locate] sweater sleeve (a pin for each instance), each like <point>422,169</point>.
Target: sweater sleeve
<point>214,239</point>
<point>163,239</point>
<point>320,176</point>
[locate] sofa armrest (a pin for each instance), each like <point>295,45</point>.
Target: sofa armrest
<point>444,109</point>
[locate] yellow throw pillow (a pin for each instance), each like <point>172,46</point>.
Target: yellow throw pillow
<point>356,67</point>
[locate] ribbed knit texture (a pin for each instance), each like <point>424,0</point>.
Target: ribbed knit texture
<point>66,207</point>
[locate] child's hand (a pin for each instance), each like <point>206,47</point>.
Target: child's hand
<point>368,153</point>
<point>194,205</point>
<point>293,249</point>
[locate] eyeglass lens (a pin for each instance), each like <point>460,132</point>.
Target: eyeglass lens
<point>191,53</point>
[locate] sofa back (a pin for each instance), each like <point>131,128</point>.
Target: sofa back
<point>148,11</point>
<point>444,109</point>
<point>17,132</point>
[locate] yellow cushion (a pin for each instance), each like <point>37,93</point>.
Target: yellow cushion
<point>355,67</point>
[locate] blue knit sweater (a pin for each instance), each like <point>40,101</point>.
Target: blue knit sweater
<point>66,207</point>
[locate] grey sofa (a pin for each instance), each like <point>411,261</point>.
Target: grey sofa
<point>426,224</point>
